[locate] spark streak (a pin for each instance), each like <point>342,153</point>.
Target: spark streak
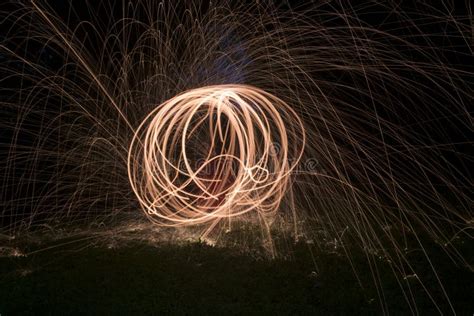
<point>353,119</point>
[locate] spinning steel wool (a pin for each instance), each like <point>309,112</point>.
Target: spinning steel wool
<point>241,171</point>
<point>329,122</point>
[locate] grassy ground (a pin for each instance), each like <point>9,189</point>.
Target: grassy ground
<point>193,278</point>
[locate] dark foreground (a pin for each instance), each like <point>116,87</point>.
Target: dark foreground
<point>138,279</point>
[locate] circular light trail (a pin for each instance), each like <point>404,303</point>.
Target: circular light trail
<point>214,153</point>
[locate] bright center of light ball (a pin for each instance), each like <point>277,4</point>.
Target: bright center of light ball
<point>215,152</point>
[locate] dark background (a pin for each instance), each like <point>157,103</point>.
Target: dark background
<point>82,275</point>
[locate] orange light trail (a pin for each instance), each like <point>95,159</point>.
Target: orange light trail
<point>250,140</point>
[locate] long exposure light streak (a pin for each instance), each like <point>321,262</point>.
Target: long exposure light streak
<point>332,122</point>
<point>241,170</point>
